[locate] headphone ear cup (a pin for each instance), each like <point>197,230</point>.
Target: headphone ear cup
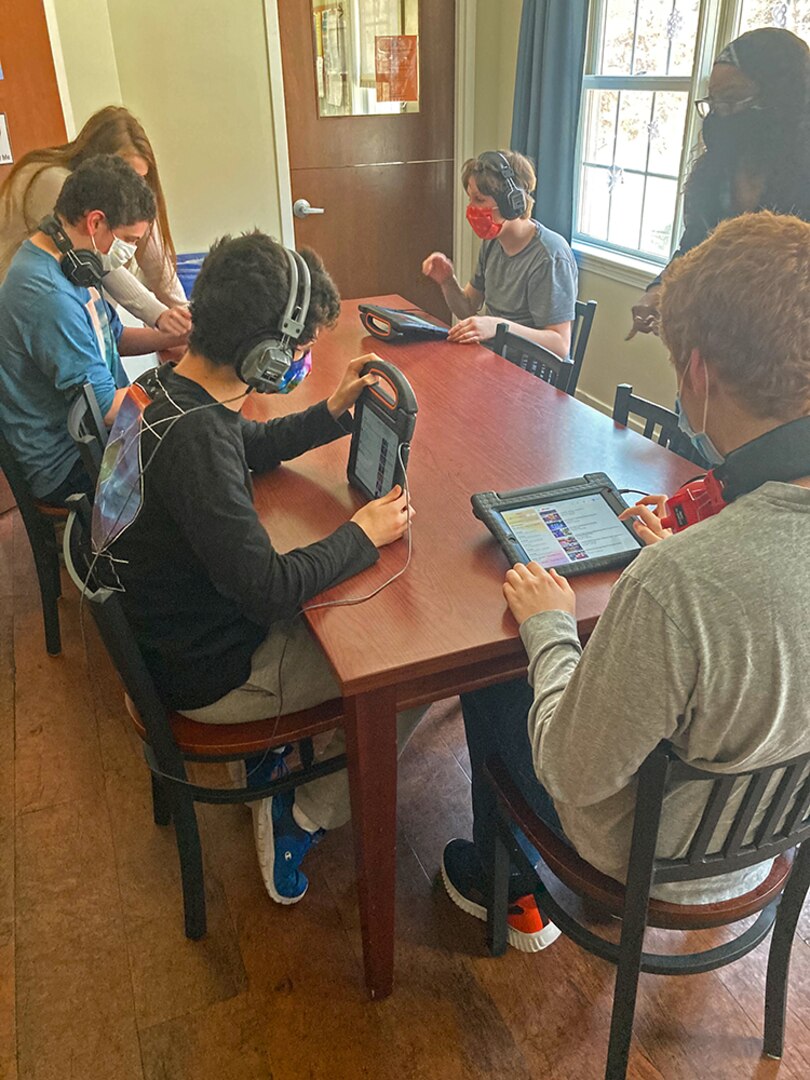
<point>83,268</point>
<point>264,365</point>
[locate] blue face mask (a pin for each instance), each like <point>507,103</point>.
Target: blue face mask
<point>699,439</point>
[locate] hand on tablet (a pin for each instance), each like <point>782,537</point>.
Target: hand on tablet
<point>647,525</point>
<point>385,520</point>
<point>351,386</point>
<point>529,589</point>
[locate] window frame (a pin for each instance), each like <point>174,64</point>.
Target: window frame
<point>717,22</point>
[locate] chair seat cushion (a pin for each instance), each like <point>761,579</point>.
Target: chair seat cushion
<point>221,740</point>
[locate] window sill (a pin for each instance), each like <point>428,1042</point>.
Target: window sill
<point>636,272</point>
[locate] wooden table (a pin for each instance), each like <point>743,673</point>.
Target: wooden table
<point>443,627</point>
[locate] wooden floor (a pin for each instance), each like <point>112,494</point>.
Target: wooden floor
<point>97,981</point>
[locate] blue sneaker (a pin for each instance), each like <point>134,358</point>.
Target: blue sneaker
<point>281,845</point>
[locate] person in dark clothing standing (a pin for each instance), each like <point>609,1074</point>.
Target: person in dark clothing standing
<point>212,603</point>
<point>756,144</point>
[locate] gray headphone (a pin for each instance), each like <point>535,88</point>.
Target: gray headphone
<point>265,358</point>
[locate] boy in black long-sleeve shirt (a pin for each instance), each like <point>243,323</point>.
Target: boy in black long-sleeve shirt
<point>205,591</point>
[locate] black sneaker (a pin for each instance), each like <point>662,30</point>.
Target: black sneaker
<point>527,928</point>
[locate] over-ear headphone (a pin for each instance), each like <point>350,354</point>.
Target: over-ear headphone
<point>266,359</point>
<point>781,454</point>
<point>80,266</point>
<point>512,199</point>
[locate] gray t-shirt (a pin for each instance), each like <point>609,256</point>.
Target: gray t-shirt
<point>536,288</point>
<point>704,642</point>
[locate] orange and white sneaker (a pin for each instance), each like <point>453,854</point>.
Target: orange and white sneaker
<point>527,928</point>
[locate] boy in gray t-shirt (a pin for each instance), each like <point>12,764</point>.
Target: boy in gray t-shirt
<point>526,274</point>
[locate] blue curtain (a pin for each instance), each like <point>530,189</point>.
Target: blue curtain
<point>548,89</point>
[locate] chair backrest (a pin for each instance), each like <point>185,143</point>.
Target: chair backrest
<point>660,423</point>
<point>580,332</point>
<point>749,817</point>
<point>87,429</point>
<point>533,358</point>
<point>116,633</point>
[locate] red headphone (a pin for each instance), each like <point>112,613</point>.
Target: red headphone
<point>782,454</point>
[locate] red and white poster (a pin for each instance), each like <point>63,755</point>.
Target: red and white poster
<point>397,67</point>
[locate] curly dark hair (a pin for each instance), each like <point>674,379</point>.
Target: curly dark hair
<point>776,140</point>
<point>242,290</point>
<point>105,182</point>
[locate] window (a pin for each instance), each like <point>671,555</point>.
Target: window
<point>647,60</point>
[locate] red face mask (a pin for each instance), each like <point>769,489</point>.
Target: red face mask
<point>480,218</point>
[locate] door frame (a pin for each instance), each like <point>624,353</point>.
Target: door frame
<point>463,136</point>
<point>60,68</point>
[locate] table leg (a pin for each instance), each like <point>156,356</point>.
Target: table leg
<point>371,745</point>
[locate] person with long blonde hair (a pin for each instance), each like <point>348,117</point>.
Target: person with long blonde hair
<point>31,189</point>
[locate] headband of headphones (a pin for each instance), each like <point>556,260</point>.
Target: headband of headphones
<point>511,198</point>
<point>80,266</point>
<point>782,454</point>
<point>265,361</point>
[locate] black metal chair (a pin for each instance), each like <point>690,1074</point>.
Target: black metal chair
<point>39,520</point>
<point>660,423</point>
<point>87,429</point>
<point>170,740</point>
<point>535,359</point>
<point>580,333</point>
<point>771,821</point>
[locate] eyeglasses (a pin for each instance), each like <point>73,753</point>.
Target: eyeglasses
<point>724,108</point>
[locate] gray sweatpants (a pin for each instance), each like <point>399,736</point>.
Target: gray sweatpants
<point>289,672</point>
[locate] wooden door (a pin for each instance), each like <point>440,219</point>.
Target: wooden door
<point>385,182</point>
<point>29,98</point>
<point>29,95</point>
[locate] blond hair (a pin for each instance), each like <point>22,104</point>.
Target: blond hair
<point>741,300</point>
<point>490,182</point>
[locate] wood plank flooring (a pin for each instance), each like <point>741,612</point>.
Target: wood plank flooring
<point>97,981</point>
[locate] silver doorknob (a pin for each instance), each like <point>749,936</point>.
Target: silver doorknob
<point>301,208</point>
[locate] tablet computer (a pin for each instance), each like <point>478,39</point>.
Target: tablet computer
<point>571,525</point>
<point>384,422</point>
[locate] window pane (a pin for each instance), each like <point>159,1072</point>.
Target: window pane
<point>594,202</point>
<point>617,37</point>
<point>659,213</point>
<point>665,37</point>
<point>792,15</point>
<point>366,57</point>
<point>627,199</point>
<point>600,126</point>
<point>667,133</point>
<point>648,37</point>
<point>635,114</point>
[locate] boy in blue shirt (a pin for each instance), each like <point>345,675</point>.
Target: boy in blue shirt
<point>57,334</point>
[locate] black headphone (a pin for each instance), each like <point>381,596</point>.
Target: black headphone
<point>265,358</point>
<point>80,266</point>
<point>512,199</point>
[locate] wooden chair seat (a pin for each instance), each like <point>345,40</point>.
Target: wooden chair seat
<point>222,740</point>
<point>58,513</point>
<point>607,893</point>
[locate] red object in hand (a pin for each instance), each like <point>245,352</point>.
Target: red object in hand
<point>695,501</point>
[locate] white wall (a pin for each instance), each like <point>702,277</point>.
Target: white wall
<point>89,58</point>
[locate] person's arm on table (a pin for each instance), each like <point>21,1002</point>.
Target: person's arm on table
<point>589,728</point>
<point>556,338</point>
<point>462,302</point>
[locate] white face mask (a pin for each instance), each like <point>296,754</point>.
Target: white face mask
<point>119,254</point>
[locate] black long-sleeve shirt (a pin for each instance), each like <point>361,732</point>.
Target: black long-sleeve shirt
<point>202,581</point>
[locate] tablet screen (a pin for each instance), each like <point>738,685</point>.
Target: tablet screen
<point>376,454</point>
<point>569,530</point>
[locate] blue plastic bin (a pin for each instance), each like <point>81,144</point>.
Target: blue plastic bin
<point>188,266</point>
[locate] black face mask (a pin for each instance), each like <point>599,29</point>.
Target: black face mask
<point>742,136</point>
